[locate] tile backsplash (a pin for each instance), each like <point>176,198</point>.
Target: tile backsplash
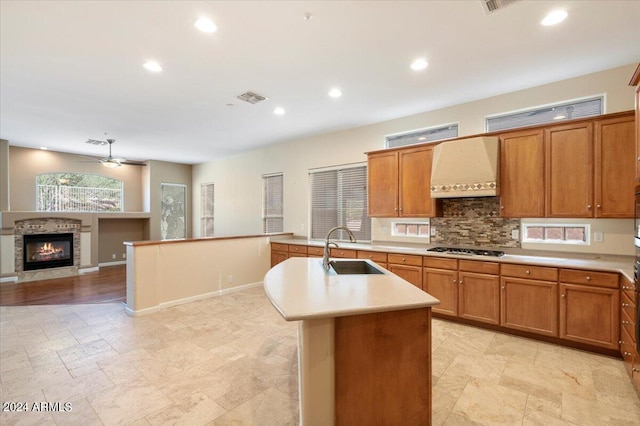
<point>474,222</point>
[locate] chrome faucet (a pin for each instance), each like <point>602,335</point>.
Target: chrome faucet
<point>325,256</point>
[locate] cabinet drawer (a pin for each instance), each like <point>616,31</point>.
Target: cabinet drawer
<point>528,271</point>
<point>628,332</point>
<point>294,248</point>
<point>400,259</point>
<point>627,298</point>
<point>279,247</point>
<point>480,267</point>
<point>338,252</point>
<point>315,251</point>
<point>440,263</point>
<point>373,255</point>
<point>600,279</point>
<point>629,286</point>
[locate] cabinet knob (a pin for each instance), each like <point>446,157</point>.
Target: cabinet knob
<point>627,353</point>
<point>371,256</point>
<point>404,260</point>
<point>503,288</point>
<point>527,272</point>
<point>455,281</point>
<point>588,278</point>
<point>638,158</point>
<point>625,305</point>
<point>563,295</point>
<point>501,207</point>
<point>598,206</point>
<point>625,322</point>
<point>588,206</point>
<point>460,282</point>
<point>635,370</point>
<point>624,287</point>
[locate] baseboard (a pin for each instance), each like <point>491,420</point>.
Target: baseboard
<point>87,270</point>
<point>9,279</point>
<point>119,262</point>
<point>165,305</point>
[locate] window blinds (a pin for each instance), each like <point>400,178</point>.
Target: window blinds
<point>446,131</point>
<point>272,203</point>
<point>339,198</point>
<point>206,209</point>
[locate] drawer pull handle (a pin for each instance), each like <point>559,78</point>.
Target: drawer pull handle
<point>627,353</point>
<point>635,370</point>
<point>625,322</point>
<point>624,287</point>
<point>625,305</point>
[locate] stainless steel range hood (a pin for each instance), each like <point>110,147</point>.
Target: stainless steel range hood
<point>465,168</point>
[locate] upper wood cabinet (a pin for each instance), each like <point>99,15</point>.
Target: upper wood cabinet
<point>522,174</point>
<point>614,167</point>
<point>569,170</point>
<point>635,81</point>
<point>399,183</point>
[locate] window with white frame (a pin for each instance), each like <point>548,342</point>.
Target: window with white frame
<point>550,233</point>
<point>272,203</point>
<point>78,192</point>
<point>546,114</point>
<point>429,134</point>
<point>206,209</point>
<point>338,197</point>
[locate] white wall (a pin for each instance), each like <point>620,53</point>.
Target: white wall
<point>237,179</point>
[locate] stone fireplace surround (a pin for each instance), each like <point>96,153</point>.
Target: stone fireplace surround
<point>47,225</point>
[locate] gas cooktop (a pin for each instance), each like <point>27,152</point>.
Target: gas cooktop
<point>468,252</point>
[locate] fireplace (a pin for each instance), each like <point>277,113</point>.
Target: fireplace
<point>43,251</point>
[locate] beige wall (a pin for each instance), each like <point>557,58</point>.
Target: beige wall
<point>112,233</point>
<point>237,179</point>
<point>25,164</point>
<point>4,175</point>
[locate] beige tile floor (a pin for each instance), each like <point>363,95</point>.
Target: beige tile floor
<point>231,360</point>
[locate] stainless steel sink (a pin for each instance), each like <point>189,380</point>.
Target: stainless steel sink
<point>353,267</point>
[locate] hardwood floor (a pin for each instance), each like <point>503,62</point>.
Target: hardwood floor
<point>106,285</point>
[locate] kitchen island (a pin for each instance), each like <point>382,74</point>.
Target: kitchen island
<point>364,343</point>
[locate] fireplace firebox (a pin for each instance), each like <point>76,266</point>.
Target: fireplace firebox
<point>43,251</point>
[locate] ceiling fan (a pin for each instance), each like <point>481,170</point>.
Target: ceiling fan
<point>111,161</point>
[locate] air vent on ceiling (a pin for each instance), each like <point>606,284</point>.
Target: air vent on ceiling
<point>251,97</point>
<point>96,142</point>
<point>493,5</point>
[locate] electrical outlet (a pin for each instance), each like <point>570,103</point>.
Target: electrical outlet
<point>124,255</point>
<point>515,234</point>
<point>598,236</point>
<point>432,231</point>
<point>230,279</point>
<point>113,256</point>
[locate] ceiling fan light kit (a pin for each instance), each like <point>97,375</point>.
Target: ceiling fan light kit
<point>110,161</point>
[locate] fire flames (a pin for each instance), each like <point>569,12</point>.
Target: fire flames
<point>48,251</point>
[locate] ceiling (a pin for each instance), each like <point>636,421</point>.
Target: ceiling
<point>72,70</point>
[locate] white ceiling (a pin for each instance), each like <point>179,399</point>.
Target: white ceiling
<point>72,70</point>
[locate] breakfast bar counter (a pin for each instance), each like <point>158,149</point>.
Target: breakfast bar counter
<point>364,343</point>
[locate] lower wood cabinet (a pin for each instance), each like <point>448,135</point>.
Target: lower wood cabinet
<point>479,291</point>
<point>529,299</point>
<point>590,308</point>
<point>375,256</point>
<point>407,267</point>
<point>279,253</point>
<point>442,284</point>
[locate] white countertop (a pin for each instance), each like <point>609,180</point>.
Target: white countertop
<point>597,262</point>
<point>300,289</point>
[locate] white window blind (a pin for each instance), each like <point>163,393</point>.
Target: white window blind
<point>546,114</point>
<point>339,198</point>
<point>272,203</point>
<point>431,134</point>
<point>206,209</point>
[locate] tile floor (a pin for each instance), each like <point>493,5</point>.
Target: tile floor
<point>231,360</point>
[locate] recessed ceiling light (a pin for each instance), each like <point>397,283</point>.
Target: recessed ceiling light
<point>554,17</point>
<point>205,25</point>
<point>335,92</point>
<point>419,64</point>
<point>44,148</point>
<point>152,66</point>
<point>278,111</point>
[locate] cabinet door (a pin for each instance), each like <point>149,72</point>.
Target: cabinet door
<point>413,274</point>
<point>415,182</point>
<point>569,171</point>
<point>278,256</point>
<point>382,169</point>
<point>638,132</point>
<point>615,167</point>
<point>590,315</point>
<point>479,297</point>
<point>529,305</point>
<point>443,285</point>
<point>522,174</point>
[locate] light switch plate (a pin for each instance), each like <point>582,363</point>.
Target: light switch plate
<point>515,234</point>
<point>432,231</point>
<point>598,236</point>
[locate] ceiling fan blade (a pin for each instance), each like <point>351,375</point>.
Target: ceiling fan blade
<point>132,163</point>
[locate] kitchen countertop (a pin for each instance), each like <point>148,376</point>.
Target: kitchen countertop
<point>300,289</point>
<point>597,262</point>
